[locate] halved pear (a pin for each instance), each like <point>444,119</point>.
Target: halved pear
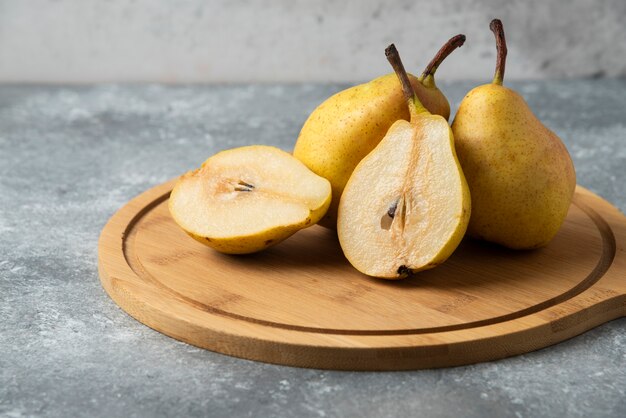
<point>407,205</point>
<point>247,199</point>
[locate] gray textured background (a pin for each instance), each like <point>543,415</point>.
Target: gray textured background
<point>70,157</point>
<point>301,40</point>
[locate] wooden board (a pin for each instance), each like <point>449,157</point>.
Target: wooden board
<point>301,303</point>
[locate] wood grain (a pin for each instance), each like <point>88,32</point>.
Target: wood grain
<point>301,303</point>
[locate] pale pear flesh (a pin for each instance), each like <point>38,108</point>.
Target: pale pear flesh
<point>348,126</point>
<point>520,174</point>
<point>248,199</point>
<point>407,204</point>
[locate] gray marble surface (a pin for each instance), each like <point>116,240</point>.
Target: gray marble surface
<point>71,156</point>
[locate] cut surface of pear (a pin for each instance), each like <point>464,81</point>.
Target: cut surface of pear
<point>247,199</point>
<point>406,206</point>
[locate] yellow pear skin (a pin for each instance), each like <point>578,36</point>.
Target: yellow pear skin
<point>350,124</point>
<point>520,175</point>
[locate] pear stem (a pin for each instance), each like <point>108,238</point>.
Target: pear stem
<point>452,44</point>
<point>498,31</point>
<point>415,106</point>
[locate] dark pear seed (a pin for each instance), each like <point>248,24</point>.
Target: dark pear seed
<point>392,209</point>
<point>242,186</point>
<point>248,185</point>
<point>387,218</point>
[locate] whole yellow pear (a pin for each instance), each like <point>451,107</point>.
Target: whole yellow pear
<point>520,175</point>
<point>346,127</point>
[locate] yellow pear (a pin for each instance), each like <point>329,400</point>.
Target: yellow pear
<point>348,125</point>
<point>520,174</point>
<point>406,206</point>
<point>247,199</point>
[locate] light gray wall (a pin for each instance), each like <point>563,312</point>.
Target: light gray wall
<point>299,40</point>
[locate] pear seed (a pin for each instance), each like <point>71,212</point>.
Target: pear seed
<point>392,209</point>
<point>242,186</point>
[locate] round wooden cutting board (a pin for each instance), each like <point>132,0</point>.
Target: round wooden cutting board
<point>300,303</point>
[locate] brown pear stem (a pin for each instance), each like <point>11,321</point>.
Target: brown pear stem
<point>498,31</point>
<point>452,44</point>
<point>415,106</point>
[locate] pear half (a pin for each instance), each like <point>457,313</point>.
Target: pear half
<point>247,199</point>
<point>407,205</point>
